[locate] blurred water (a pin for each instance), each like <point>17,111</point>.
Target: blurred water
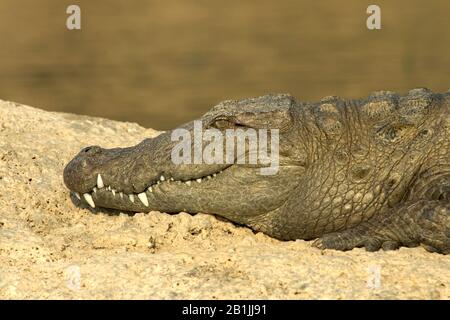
<point>162,63</point>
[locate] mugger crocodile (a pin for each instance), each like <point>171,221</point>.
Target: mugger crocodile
<point>371,173</point>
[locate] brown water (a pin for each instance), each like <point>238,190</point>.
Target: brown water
<point>162,63</point>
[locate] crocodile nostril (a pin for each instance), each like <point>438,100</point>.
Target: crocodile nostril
<point>91,149</point>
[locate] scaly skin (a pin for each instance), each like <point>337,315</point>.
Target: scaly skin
<point>371,173</point>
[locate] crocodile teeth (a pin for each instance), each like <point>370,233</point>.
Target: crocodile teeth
<point>100,181</point>
<point>214,174</point>
<point>150,189</point>
<point>113,192</point>
<point>199,180</point>
<point>143,197</point>
<point>95,189</point>
<point>89,199</point>
<point>77,195</point>
<point>162,178</point>
<point>121,195</point>
<point>209,177</point>
<point>131,197</point>
<point>109,188</point>
<point>171,179</point>
<point>188,183</point>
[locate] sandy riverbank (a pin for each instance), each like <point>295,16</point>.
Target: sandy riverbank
<point>50,248</point>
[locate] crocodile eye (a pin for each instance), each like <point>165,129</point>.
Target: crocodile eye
<point>224,123</point>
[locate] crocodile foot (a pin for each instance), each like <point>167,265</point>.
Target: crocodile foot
<point>425,223</point>
<point>341,241</point>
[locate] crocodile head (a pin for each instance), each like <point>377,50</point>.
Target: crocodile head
<point>337,162</point>
<point>148,176</point>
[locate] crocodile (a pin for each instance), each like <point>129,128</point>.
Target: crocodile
<point>371,173</point>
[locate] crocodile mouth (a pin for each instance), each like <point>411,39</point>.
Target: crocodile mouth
<point>145,178</point>
<point>220,192</point>
<point>134,201</point>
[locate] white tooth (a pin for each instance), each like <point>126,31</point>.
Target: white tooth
<point>131,196</point>
<point>171,179</point>
<point>188,183</point>
<point>95,189</point>
<point>109,188</point>
<point>113,192</point>
<point>143,197</point>
<point>150,189</point>
<point>199,180</point>
<point>214,174</point>
<point>158,182</point>
<point>89,200</point>
<point>121,195</point>
<point>100,181</point>
<point>209,177</point>
<point>162,178</point>
<point>77,195</point>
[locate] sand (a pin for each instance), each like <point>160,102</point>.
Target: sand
<point>53,248</point>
